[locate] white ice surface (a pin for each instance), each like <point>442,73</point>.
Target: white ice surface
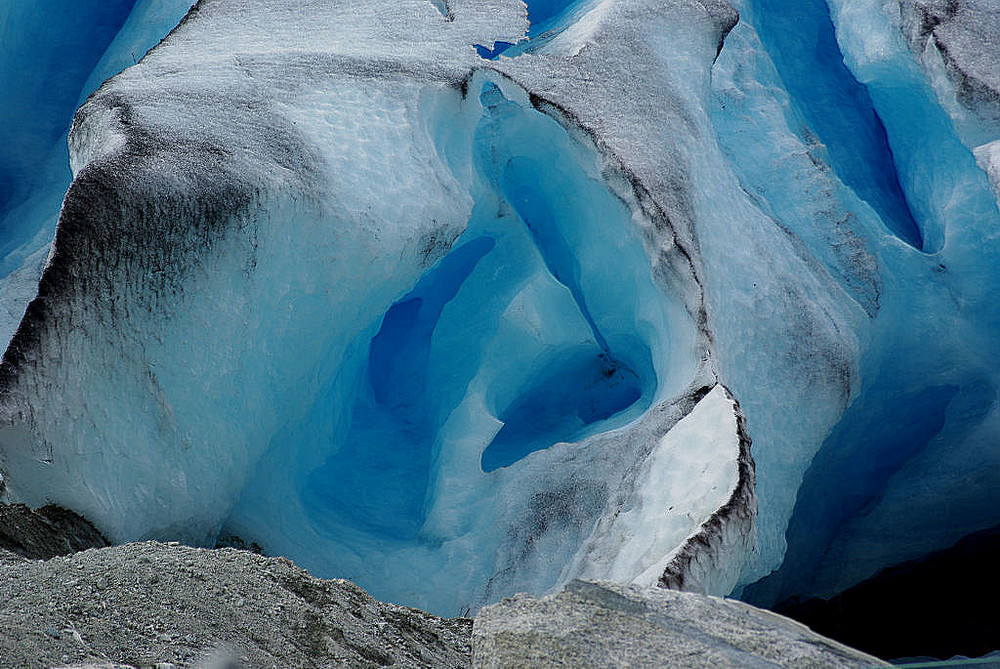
<point>677,491</point>
<point>988,158</point>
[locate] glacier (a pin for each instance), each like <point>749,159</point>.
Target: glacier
<point>457,299</point>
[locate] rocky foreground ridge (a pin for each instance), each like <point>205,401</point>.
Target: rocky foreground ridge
<point>165,605</point>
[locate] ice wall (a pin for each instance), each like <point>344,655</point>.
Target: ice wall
<point>350,294</point>
<point>882,487</point>
<point>455,319</point>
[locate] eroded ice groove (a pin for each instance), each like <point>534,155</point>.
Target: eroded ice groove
<point>951,405</point>
<point>857,507</point>
<point>799,38</point>
<point>52,57</point>
<point>780,164</point>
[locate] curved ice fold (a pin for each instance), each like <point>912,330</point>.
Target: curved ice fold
<point>51,58</point>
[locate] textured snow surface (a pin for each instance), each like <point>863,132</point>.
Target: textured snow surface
<point>454,320</point>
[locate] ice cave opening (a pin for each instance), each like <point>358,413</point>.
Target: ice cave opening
<point>539,327</point>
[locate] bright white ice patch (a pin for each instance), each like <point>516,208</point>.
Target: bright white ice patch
<point>988,158</point>
<point>679,489</point>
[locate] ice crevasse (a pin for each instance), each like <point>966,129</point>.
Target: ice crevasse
<point>456,319</point>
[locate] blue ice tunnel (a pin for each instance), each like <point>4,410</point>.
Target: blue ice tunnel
<point>534,203</point>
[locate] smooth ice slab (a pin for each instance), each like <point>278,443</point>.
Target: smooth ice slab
<point>673,509</point>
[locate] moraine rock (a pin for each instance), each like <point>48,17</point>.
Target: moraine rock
<point>44,533</point>
<point>165,606</point>
<point>603,624</point>
<point>145,604</point>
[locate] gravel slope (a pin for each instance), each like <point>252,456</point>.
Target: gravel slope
<point>147,603</point>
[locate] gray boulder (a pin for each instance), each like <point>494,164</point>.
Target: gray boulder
<point>601,624</point>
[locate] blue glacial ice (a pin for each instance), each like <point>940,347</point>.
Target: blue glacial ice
<point>48,67</point>
<point>455,320</point>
